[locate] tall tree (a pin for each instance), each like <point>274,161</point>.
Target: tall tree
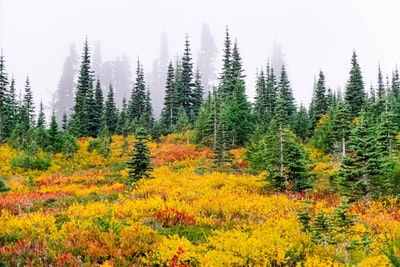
<point>111,112</point>
<point>4,105</point>
<point>27,111</point>
<point>186,95</point>
<point>355,94</point>
<point>226,77</point>
<point>138,96</point>
<point>41,133</point>
<point>342,125</point>
<point>319,103</point>
<point>198,93</point>
<point>285,94</point>
<point>170,108</point>
<point>85,82</point>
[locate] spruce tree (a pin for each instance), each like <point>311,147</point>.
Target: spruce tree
<point>285,94</point>
<point>4,105</point>
<point>198,93</point>
<point>98,108</point>
<point>363,172</point>
<point>138,96</point>
<point>186,93</point>
<point>322,228</point>
<point>80,116</point>
<point>140,165</point>
<point>170,108</point>
<point>341,126</point>
<point>204,127</point>
<point>302,123</point>
<point>319,103</point>
<point>11,111</point>
<point>225,87</point>
<point>355,94</point>
<point>42,137</point>
<point>111,112</point>
<point>147,116</point>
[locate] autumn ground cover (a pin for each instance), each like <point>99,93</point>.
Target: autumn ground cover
<point>80,213</point>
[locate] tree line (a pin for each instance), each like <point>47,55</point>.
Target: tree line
<point>359,129</point>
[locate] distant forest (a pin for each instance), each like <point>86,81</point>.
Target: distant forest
<point>357,129</point>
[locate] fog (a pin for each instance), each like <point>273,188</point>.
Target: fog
<point>35,36</point>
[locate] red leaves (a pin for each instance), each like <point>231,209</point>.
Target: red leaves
<point>170,217</point>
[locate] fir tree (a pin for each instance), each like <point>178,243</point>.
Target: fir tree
<point>186,93</point>
<point>285,93</point>
<point>123,122</point>
<point>11,111</point>
<point>170,109</point>
<point>302,123</point>
<point>341,126</point>
<point>206,57</point>
<point>197,96</point>
<point>204,127</point>
<point>41,133</point>
<point>98,108</point>
<point>138,96</point>
<point>81,109</point>
<point>140,165</point>
<point>355,94</point>
<point>225,87</point>
<point>4,105</point>
<point>322,228</point>
<point>111,112</point>
<point>319,103</point>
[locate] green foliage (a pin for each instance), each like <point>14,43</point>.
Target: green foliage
<point>390,253</point>
<point>28,162</point>
<point>3,187</point>
<point>355,94</point>
<point>140,166</point>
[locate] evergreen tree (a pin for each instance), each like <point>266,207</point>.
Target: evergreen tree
<point>182,123</point>
<point>322,228</point>
<point>93,119</point>
<point>343,221</point>
<point>186,93</point>
<point>341,126</point>
<point>204,127</point>
<point>319,103</point>
<point>197,96</point>
<point>140,165</point>
<point>322,137</point>
<point>98,108</point>
<point>355,94</point>
<point>111,112</point>
<point>363,172</point>
<point>4,105</point>
<point>138,96</point>
<point>147,116</point>
<point>40,131</point>
<point>123,122</point>
<point>170,109</point>
<point>238,116</point>
<point>225,87</point>
<point>302,123</point>
<point>286,102</point>
<point>261,113</point>
<point>54,144</point>
<point>11,111</point>
<point>27,111</point>
<point>80,116</point>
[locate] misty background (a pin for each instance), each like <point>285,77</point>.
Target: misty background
<point>38,37</point>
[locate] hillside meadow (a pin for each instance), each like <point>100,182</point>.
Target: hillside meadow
<point>80,212</point>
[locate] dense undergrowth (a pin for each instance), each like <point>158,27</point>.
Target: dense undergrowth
<point>79,212</point>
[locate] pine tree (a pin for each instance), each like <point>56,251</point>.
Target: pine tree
<point>355,94</point>
<point>285,94</point>
<point>81,109</point>
<point>98,108</point>
<point>54,143</point>
<point>322,228</point>
<point>147,115</point>
<point>140,165</point>
<point>111,112</point>
<point>11,111</point>
<point>93,118</point>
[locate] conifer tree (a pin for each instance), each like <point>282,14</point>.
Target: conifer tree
<point>111,112</point>
<point>204,127</point>
<point>147,116</point>
<point>362,173</point>
<point>138,96</point>
<point>198,93</point>
<point>302,123</point>
<point>4,105</point>
<point>206,57</point>
<point>54,143</point>
<point>170,109</point>
<point>80,116</point>
<point>40,131</point>
<point>319,103</point>
<point>285,93</point>
<point>225,87</point>
<point>11,111</point>
<point>341,126</point>
<point>140,165</point>
<point>355,94</point>
<point>261,113</point>
<point>98,108</point>
<point>27,110</point>
<point>123,122</point>
<point>322,228</point>
<point>186,90</point>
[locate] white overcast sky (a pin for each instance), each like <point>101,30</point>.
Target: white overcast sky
<point>314,34</point>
